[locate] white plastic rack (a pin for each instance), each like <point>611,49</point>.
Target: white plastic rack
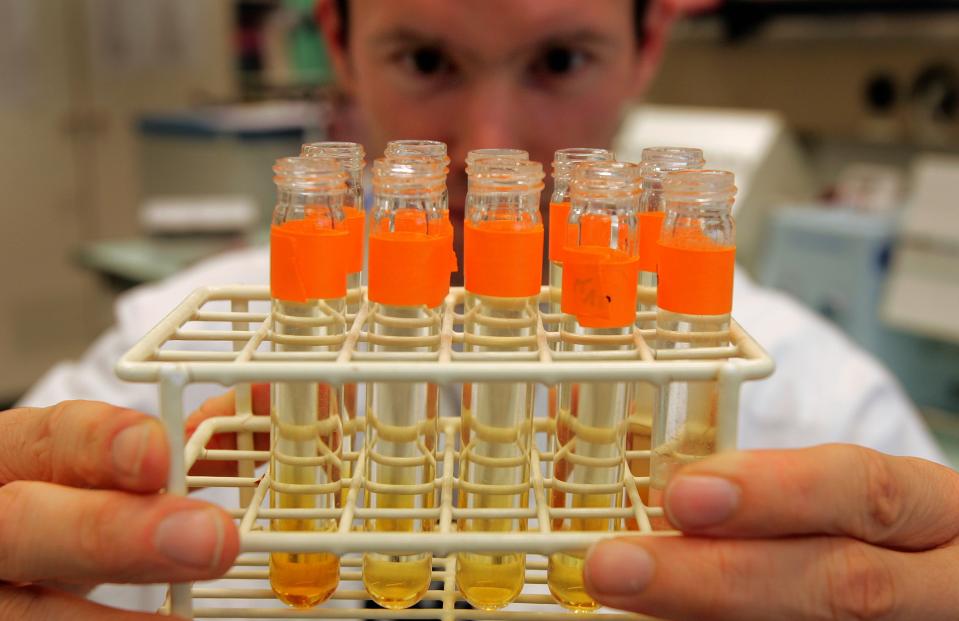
<point>223,335</point>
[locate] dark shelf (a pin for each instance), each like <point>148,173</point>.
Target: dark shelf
<point>743,18</point>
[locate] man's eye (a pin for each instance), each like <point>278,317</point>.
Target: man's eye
<point>559,61</point>
<point>427,61</point>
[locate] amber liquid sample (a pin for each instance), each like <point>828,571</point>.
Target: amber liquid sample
<point>565,570</point>
<point>304,580</point>
<point>491,581</point>
<point>495,433</point>
<point>588,444</point>
<point>306,453</point>
<point>400,444</point>
<point>396,581</point>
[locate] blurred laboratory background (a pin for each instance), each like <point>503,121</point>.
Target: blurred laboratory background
<point>134,136</point>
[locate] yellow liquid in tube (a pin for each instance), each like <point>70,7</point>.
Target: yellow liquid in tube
<point>688,432</point>
<point>565,570</point>
<point>590,432</point>
<point>306,427</point>
<point>491,581</point>
<point>303,580</point>
<point>401,440</point>
<point>495,429</point>
<point>396,581</point>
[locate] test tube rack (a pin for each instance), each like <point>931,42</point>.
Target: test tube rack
<point>222,334</point>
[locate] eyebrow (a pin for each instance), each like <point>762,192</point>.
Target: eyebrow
<point>406,36</point>
<point>403,35</point>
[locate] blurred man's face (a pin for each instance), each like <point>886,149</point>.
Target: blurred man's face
<point>533,74</point>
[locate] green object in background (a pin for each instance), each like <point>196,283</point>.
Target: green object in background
<point>311,62</point>
<point>136,260</point>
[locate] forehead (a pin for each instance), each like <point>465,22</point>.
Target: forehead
<point>490,24</point>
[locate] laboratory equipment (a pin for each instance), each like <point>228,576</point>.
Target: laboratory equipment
<point>758,146</point>
<point>423,148</point>
<point>351,156</point>
<point>432,149</point>
<point>503,253</point>
<point>694,298</point>
<point>656,163</point>
<point>308,248</point>
<point>477,154</point>
<point>411,257</point>
<point>214,317</point>
<point>564,160</point>
<point>852,267</point>
<point>237,335</point>
<point>600,271</point>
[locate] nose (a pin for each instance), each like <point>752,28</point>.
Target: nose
<point>490,115</point>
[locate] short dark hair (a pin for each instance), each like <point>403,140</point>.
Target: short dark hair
<point>639,19</point>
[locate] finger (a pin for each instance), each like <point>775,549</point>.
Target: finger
<point>40,604</point>
<point>54,533</point>
<point>83,444</point>
<point>799,578</point>
<point>225,405</point>
<point>847,490</point>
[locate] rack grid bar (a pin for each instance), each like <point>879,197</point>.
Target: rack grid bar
<point>228,347</point>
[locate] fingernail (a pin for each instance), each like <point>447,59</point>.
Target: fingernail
<point>129,447</point>
<point>617,568</point>
<point>193,538</point>
<point>700,501</point>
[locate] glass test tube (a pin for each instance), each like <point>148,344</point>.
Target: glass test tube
<point>656,163</point>
<point>433,149</point>
<point>564,160</point>
<point>599,302</point>
<point>696,263</point>
<point>411,257</point>
<point>475,155</point>
<point>308,244</point>
<point>351,157</point>
<point>503,254</point>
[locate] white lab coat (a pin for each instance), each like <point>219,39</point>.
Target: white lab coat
<point>825,389</point>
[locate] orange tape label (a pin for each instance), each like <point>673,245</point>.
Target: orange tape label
<point>410,268</point>
<point>599,286</point>
<point>503,258</point>
<point>355,220</point>
<point>307,262</point>
<point>594,230</point>
<point>558,218</point>
<point>696,279</point>
<point>650,225</point>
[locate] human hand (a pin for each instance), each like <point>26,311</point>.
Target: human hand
<point>79,506</point>
<point>831,532</point>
